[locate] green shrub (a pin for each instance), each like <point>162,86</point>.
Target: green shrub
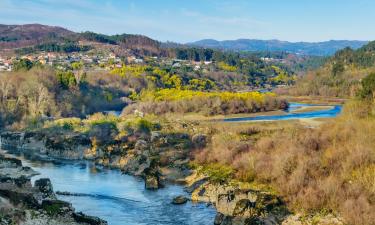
<point>368,87</point>
<point>217,173</point>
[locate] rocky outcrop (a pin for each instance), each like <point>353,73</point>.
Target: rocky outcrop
<point>240,206</point>
<point>23,203</point>
<point>155,156</point>
<point>152,182</point>
<point>61,146</point>
<point>45,187</point>
<point>90,220</point>
<point>179,200</point>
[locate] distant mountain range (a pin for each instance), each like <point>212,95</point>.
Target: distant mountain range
<point>326,48</point>
<point>28,35</point>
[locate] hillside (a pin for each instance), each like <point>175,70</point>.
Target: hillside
<point>306,48</point>
<point>29,35</point>
<point>340,76</point>
<point>40,37</point>
<point>16,36</point>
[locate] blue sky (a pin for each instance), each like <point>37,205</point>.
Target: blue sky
<point>189,20</point>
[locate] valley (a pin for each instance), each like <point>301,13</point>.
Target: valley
<point>130,130</point>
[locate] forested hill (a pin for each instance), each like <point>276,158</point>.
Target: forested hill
<point>341,74</point>
<point>15,36</point>
<point>326,48</point>
<point>363,57</point>
<point>43,37</point>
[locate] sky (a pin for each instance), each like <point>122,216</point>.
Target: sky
<point>191,20</point>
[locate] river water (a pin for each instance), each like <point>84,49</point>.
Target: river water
<point>117,198</point>
<point>291,114</point>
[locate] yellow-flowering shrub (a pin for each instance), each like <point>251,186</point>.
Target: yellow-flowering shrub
<point>210,103</point>
<point>226,67</point>
<point>178,95</point>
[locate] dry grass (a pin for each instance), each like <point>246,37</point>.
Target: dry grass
<point>331,168</point>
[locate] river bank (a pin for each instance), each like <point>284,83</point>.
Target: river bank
<point>22,202</point>
<point>159,152</point>
<point>158,158</point>
<point>25,143</point>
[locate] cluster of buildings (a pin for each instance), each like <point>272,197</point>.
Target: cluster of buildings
<point>5,64</point>
<point>62,60</point>
<point>100,60</point>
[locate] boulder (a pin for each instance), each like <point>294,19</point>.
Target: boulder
<point>221,219</point>
<point>45,187</point>
<point>152,182</point>
<point>179,200</point>
<point>91,220</point>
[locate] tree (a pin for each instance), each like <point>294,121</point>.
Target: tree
<point>368,87</point>
<point>22,64</point>
<point>66,79</point>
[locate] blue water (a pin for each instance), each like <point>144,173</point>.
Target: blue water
<point>325,113</point>
<point>120,199</point>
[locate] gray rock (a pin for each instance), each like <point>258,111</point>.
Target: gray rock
<point>151,182</point>
<point>91,220</point>
<point>45,187</point>
<point>179,200</point>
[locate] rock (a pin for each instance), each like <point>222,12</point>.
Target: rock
<point>196,185</point>
<point>45,187</point>
<point>141,145</point>
<point>17,196</point>
<point>155,135</point>
<point>199,140</point>
<point>151,182</point>
<point>179,200</point>
<point>221,219</point>
<point>21,203</point>
<point>238,206</point>
<point>241,206</point>
<point>91,220</point>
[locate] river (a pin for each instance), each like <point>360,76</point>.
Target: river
<point>117,198</point>
<point>292,113</point>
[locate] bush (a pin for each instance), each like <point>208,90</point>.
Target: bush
<point>330,167</point>
<point>65,123</point>
<point>368,87</point>
<point>209,103</point>
<point>217,173</point>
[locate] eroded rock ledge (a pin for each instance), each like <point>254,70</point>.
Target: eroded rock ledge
<point>23,203</point>
<point>156,157</point>
<point>240,206</point>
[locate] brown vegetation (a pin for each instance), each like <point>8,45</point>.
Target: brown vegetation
<point>29,96</point>
<point>331,168</point>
